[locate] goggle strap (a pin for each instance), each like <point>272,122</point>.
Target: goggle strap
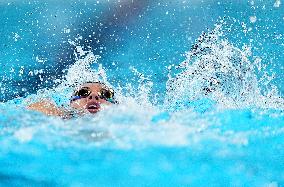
<point>73,98</point>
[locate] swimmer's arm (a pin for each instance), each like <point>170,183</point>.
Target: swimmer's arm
<point>47,107</point>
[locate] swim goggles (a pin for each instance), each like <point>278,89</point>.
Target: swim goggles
<point>105,93</point>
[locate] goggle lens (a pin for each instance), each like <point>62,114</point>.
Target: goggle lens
<point>106,94</point>
<point>83,92</point>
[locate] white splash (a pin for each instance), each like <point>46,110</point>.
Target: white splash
<point>81,71</point>
<point>253,19</point>
<point>66,30</point>
<point>16,36</point>
<point>219,71</point>
<point>25,134</point>
<point>277,3</point>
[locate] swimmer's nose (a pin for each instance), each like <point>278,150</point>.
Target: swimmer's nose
<point>93,97</point>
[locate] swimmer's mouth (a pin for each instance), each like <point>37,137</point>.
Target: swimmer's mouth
<point>93,108</point>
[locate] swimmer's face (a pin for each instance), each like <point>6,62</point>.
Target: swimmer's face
<point>91,97</point>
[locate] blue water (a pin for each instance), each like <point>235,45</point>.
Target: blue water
<point>200,85</point>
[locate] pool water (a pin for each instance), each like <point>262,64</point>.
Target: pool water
<point>199,84</point>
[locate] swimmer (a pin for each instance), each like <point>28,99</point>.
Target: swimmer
<point>90,97</point>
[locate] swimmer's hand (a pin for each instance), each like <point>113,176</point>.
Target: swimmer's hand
<point>47,107</point>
